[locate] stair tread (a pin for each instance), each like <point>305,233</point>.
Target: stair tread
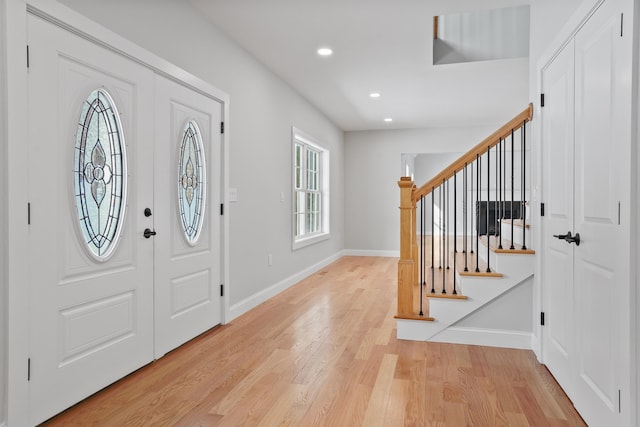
<point>436,280</point>
<point>494,244</point>
<point>471,266</point>
<point>516,223</point>
<point>414,317</point>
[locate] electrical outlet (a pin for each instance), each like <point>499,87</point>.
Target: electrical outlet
<point>233,195</point>
<point>269,260</point>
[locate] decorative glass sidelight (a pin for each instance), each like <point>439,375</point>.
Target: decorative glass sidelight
<point>191,182</point>
<point>100,171</point>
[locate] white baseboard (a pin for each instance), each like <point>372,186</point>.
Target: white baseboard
<point>486,337</point>
<point>273,290</point>
<point>365,252</point>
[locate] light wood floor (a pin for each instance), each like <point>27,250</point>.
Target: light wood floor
<point>324,352</point>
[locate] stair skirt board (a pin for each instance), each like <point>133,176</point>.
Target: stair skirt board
<point>411,330</point>
<point>487,337</point>
<point>447,313</point>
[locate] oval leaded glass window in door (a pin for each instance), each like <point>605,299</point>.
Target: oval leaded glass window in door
<point>100,170</point>
<point>191,182</point>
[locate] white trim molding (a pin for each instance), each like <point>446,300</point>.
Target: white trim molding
<point>368,252</point>
<point>486,337</point>
<point>413,330</point>
<point>323,187</point>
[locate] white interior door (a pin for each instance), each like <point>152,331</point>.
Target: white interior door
<point>91,304</point>
<point>187,217</point>
<point>601,262</point>
<point>587,285</point>
<point>558,140</point>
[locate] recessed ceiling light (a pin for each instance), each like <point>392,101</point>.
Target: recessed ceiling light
<point>374,95</point>
<point>388,119</point>
<point>325,51</point>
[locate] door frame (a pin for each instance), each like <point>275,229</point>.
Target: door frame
<point>17,303</point>
<point>581,15</point>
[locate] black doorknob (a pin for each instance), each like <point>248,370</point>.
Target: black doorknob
<point>563,236</point>
<point>148,233</point>
<point>575,239</point>
<point>147,212</point>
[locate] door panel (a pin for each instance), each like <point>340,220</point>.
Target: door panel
<point>187,272</point>
<point>92,321</point>
<point>557,127</point>
<point>600,147</point>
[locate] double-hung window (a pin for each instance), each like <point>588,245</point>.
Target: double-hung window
<point>310,190</point>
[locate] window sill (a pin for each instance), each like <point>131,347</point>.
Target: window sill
<point>307,241</point>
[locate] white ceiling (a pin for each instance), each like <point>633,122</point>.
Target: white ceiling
<point>380,46</point>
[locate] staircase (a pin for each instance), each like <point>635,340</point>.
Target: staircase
<point>465,238</point>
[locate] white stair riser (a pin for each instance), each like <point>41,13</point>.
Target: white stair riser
<point>507,264</point>
<point>505,229</point>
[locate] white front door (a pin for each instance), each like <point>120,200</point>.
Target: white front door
<point>91,291</point>
<point>124,182</point>
<point>586,134</point>
<point>187,217</point>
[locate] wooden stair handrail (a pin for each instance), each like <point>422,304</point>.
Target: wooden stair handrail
<point>470,156</point>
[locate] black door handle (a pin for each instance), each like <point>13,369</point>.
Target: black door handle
<point>575,239</point>
<point>563,236</point>
<point>148,233</point>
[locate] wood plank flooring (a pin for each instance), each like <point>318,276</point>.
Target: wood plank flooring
<point>324,353</point>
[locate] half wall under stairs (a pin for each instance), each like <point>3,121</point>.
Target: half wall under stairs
<point>475,292</point>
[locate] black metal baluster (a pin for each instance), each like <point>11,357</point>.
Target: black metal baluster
<point>465,198</point>
<point>488,206</point>
<point>447,216</point>
<point>523,133</point>
<point>478,182</point>
<point>512,187</point>
<point>496,223</point>
<point>433,238</point>
<point>465,225</point>
<point>455,228</point>
<point>500,203</point>
<point>441,219</point>
<point>422,231</point>
<point>471,216</point>
<point>443,226</point>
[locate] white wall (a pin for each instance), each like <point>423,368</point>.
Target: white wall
<point>511,311</point>
<point>262,110</point>
<point>428,165</point>
<point>3,219</point>
<point>547,19</point>
<point>372,159</point>
<point>482,35</point>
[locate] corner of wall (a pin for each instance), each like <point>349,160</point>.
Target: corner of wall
<point>3,220</point>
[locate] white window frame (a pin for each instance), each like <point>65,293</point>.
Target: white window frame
<point>309,144</point>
